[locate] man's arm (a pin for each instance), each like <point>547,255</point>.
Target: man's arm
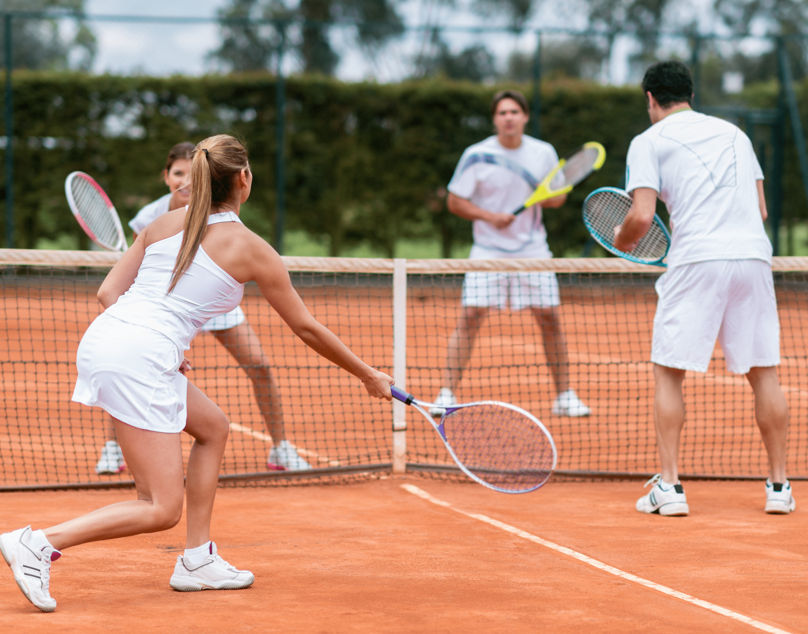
<point>464,208</point>
<point>638,219</point>
<point>554,203</point>
<point>764,213</point>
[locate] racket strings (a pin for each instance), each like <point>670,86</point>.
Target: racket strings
<point>501,446</point>
<point>606,210</point>
<point>579,166</point>
<point>95,211</point>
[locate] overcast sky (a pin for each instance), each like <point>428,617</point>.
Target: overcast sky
<point>126,46</point>
<point>152,48</point>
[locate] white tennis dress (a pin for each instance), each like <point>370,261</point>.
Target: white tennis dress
<point>128,360</point>
<point>149,214</point>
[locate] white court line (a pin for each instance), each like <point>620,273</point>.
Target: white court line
<point>569,552</point>
<point>268,439</point>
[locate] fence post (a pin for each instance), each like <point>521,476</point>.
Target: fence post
<point>535,103</point>
<point>399,458</point>
<point>280,130</point>
<point>695,63</point>
<point>9,120</point>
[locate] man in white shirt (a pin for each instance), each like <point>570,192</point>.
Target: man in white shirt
<point>492,178</point>
<point>718,284</point>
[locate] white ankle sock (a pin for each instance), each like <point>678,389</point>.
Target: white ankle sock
<point>39,541</point>
<point>197,555</point>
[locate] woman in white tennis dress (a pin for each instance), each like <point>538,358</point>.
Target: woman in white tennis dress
<point>231,329</point>
<point>185,268</point>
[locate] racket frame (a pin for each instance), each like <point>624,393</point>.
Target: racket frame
<point>75,208</point>
<point>423,406</point>
<point>543,191</point>
<point>608,244</point>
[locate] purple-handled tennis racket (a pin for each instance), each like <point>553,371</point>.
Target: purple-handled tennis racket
<point>499,445</point>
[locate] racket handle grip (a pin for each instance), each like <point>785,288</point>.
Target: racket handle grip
<point>401,395</point>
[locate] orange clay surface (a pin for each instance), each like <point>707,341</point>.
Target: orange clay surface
<point>377,557</point>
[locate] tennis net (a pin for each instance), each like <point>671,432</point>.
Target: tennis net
<point>397,315</point>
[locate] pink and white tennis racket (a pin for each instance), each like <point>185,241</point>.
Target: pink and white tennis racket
<point>94,211</point>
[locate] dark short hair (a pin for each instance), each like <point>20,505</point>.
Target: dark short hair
<point>184,150</point>
<point>669,83</point>
<point>517,96</point>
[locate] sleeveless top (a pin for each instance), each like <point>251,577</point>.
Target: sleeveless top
<point>204,291</point>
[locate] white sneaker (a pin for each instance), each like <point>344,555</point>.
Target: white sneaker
<point>284,456</point>
<point>778,498</point>
<point>568,404</point>
<point>665,499</point>
<point>111,460</point>
<point>445,399</point>
<point>214,573</point>
<point>30,565</point>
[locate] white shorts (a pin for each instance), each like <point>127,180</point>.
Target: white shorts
<point>520,290</point>
<point>225,321</point>
<point>729,300</point>
<point>132,372</point>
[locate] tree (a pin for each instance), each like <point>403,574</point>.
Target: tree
<point>778,18</point>
<point>40,43</point>
<point>253,31</point>
<point>250,35</point>
<point>474,63</point>
<point>578,58</point>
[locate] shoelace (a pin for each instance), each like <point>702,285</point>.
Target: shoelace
<point>229,566</point>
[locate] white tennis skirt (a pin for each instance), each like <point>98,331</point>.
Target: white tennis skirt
<point>133,373</point>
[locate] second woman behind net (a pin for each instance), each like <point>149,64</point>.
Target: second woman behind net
<point>232,330</point>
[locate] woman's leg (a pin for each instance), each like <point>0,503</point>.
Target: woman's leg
<point>155,461</point>
<point>200,567</point>
<point>243,344</point>
<point>209,427</point>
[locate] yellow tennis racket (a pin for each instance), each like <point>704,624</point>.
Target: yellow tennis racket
<point>568,173</point>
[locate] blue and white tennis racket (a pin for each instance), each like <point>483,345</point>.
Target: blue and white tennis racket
<point>605,209</point>
<point>499,445</point>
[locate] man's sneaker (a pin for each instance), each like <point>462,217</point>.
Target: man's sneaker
<point>111,460</point>
<point>445,399</point>
<point>778,498</point>
<point>284,456</point>
<point>665,499</point>
<point>214,573</point>
<point>30,565</point>
<point>568,404</point>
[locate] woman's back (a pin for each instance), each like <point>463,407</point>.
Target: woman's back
<point>206,289</point>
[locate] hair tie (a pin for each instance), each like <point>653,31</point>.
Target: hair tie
<point>205,150</point>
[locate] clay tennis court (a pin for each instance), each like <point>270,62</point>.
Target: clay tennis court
<point>372,551</point>
<point>376,557</point>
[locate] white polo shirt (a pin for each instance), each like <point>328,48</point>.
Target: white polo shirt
<point>705,170</point>
<point>149,213</point>
<point>499,179</point>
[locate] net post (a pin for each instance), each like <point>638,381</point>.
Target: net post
<point>399,362</point>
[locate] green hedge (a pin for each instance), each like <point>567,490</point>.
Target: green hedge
<point>364,163</point>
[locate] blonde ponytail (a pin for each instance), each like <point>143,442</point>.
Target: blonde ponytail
<point>216,162</point>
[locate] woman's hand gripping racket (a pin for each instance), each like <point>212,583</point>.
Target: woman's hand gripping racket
<point>94,211</point>
<point>499,445</point>
<point>568,173</point>
<point>605,209</point>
